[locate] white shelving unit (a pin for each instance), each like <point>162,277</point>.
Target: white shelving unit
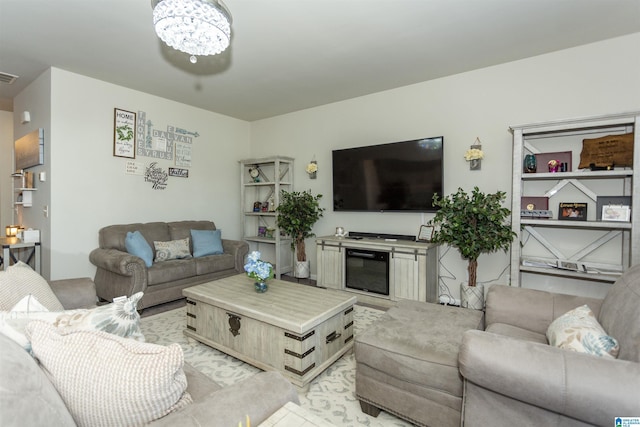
<point>20,189</point>
<point>604,249</point>
<point>273,175</point>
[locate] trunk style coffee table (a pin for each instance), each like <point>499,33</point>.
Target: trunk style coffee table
<point>295,329</point>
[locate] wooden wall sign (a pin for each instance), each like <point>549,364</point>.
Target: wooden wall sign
<point>610,150</point>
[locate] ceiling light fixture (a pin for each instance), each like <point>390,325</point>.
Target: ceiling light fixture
<point>197,27</point>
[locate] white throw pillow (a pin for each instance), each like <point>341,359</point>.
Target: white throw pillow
<point>20,280</point>
<point>119,318</point>
<point>579,330</point>
<point>106,380</point>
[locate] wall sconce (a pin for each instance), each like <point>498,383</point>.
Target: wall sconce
<point>12,230</point>
<point>312,169</point>
<point>26,117</point>
<point>474,155</point>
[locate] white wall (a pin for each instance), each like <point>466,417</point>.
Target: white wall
<point>89,187</point>
<point>594,79</point>
<point>6,168</point>
<point>36,98</point>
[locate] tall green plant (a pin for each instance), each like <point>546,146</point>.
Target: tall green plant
<point>297,213</point>
<point>473,223</point>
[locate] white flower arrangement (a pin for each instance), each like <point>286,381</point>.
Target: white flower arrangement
<point>473,154</point>
<point>312,167</point>
<point>258,269</point>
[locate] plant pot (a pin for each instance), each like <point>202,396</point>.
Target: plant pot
<point>472,296</point>
<point>302,269</point>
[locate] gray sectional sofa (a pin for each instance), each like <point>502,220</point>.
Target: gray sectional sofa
<point>120,273</point>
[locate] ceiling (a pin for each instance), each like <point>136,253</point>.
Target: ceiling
<point>288,55</point>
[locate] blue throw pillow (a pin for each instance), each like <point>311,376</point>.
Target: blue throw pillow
<point>138,246</point>
<point>206,242</point>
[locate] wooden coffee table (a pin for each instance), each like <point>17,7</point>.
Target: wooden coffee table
<point>295,329</point>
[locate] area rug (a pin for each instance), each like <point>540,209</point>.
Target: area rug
<point>331,395</point>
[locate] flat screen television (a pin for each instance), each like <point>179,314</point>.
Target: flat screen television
<point>399,176</point>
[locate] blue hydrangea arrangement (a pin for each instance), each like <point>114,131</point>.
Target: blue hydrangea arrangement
<point>258,269</point>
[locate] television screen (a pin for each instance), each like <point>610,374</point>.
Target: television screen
<point>400,176</point>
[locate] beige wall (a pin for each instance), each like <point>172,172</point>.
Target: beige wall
<point>594,79</point>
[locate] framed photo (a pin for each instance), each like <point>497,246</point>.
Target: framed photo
<point>265,206</point>
<point>257,206</point>
<point>572,211</point>
<point>124,133</point>
<point>425,233</point>
<point>262,231</point>
<point>616,213</point>
<point>601,201</point>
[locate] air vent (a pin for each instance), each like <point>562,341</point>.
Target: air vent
<point>7,78</point>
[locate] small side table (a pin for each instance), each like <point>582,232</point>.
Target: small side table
<point>14,250</point>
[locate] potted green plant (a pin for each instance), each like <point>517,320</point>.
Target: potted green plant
<point>297,212</point>
<point>473,223</point>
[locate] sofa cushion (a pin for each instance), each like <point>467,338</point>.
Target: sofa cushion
<point>206,242</point>
<point>182,229</point>
<point>173,249</point>
<point>20,280</point>
<point>619,314</point>
<point>214,263</point>
<point>27,397</point>
<point>119,318</point>
<point>516,332</point>
<point>106,380</point>
<point>137,245</point>
<point>171,271</point>
<point>578,330</point>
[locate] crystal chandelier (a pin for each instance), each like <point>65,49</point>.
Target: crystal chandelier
<point>197,27</point>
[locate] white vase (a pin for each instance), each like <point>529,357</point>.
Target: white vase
<point>302,269</point>
<point>472,296</point>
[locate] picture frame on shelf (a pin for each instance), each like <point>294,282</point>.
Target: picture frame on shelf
<point>257,206</point>
<point>572,211</point>
<point>262,231</point>
<point>601,201</point>
<point>618,213</point>
<point>534,203</point>
<point>425,233</point>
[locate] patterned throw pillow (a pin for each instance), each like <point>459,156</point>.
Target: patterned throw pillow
<point>20,280</point>
<point>174,249</point>
<point>106,380</point>
<point>578,330</point>
<point>119,318</point>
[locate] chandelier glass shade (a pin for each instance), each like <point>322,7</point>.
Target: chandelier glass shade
<point>197,27</point>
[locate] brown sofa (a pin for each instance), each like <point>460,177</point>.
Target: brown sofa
<point>120,273</point>
<point>28,398</point>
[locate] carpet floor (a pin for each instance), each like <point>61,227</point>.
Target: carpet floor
<point>331,395</point>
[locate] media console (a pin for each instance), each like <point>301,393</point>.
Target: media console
<point>400,268</point>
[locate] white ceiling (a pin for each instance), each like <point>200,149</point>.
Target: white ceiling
<point>288,55</point>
